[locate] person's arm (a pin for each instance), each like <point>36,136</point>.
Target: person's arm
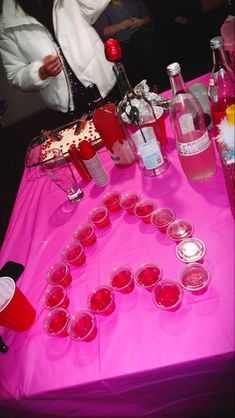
<point>21,74</point>
<point>110,30</point>
<point>138,22</point>
<point>92,9</point>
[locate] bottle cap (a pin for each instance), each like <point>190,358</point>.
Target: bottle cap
<point>86,150</point>
<point>230,114</point>
<point>216,42</point>
<point>173,69</point>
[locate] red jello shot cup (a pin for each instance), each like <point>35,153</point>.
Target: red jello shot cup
<point>162,218</point>
<point>100,217</point>
<point>74,254</point>
<point>54,297</point>
<point>121,279</point>
<point>191,250</point>
<point>148,275</point>
<point>59,273</point>
<point>129,201</point>
<point>56,322</point>
<point>101,300</point>
<point>168,295</point>
<point>85,234</point>
<point>179,230</point>
<point>111,200</point>
<point>144,209</point>
<point>195,278</point>
<point>82,326</point>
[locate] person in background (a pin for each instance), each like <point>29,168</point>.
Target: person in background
<point>130,23</point>
<point>51,46</point>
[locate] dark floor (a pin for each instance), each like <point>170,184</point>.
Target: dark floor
<point>189,47</point>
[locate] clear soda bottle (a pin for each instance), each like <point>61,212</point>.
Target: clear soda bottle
<point>195,149</point>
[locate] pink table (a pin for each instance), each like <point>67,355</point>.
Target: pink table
<point>144,360</point>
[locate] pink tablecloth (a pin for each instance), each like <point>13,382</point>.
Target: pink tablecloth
<point>144,360</point>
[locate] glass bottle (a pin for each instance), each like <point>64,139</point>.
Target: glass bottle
<point>195,150</point>
<point>94,97</point>
<point>221,84</point>
<point>140,123</point>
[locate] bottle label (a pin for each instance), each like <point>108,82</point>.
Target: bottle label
<point>186,123</point>
<point>194,147</point>
<point>148,147</point>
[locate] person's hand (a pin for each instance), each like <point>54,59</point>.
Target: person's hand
<point>136,23</point>
<point>126,24</point>
<point>51,67</point>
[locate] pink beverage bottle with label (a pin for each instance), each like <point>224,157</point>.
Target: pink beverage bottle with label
<point>221,84</point>
<point>195,149</point>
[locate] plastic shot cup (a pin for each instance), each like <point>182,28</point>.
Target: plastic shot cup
<point>74,254</point>
<point>54,297</point>
<point>56,322</point>
<point>167,295</point>
<point>144,210</point>
<point>111,200</point>
<point>100,217</point>
<point>195,278</point>
<point>191,250</point>
<point>101,300</point>
<point>148,275</point>
<point>121,279</point>
<point>82,326</point>
<point>179,230</point>
<point>162,218</point>
<point>59,273</point>
<point>129,201</point>
<point>85,234</point>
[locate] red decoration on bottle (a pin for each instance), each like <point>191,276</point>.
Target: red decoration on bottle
<point>112,49</point>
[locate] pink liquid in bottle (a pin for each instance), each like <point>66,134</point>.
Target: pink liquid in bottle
<point>218,111</point>
<point>201,165</point>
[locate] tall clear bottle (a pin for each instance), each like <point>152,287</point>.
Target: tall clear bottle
<point>141,125</point>
<point>195,150</point>
<point>221,84</point>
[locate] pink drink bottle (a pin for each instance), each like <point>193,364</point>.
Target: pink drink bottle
<point>222,83</point>
<point>195,150</point>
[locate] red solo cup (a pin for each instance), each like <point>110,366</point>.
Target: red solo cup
<point>55,323</point>
<point>100,217</point>
<point>82,326</point>
<point>148,275</point>
<point>86,234</point>
<point>191,250</point>
<point>144,210</point>
<point>74,254</point>
<point>101,300</point>
<point>111,200</point>
<point>195,278</point>
<point>59,273</point>
<point>15,310</point>
<point>122,279</point>
<point>54,297</point>
<point>168,295</point>
<point>160,116</point>
<point>179,230</point>
<point>129,201</point>
<point>161,218</point>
